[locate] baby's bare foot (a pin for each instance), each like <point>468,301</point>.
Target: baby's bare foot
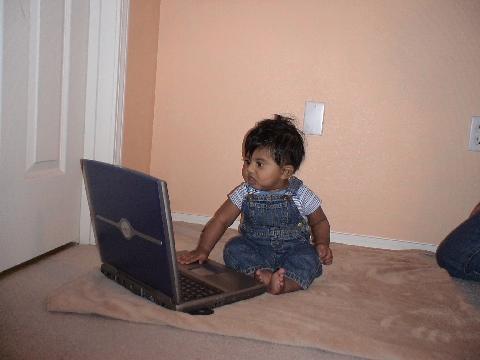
<point>277,282</point>
<point>263,276</point>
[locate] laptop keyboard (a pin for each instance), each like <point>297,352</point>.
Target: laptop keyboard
<point>192,290</point>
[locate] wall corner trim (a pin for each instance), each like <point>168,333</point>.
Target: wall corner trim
<point>336,237</point>
<point>104,104</point>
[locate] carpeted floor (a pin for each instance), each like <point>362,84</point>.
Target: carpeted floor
<point>29,331</point>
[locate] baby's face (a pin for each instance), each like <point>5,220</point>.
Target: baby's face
<point>262,172</point>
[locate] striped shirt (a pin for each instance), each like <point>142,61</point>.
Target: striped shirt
<point>305,199</point>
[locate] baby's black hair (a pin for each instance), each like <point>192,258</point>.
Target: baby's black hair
<point>281,137</point>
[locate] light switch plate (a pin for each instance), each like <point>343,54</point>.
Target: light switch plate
<point>313,118</point>
<point>474,141</point>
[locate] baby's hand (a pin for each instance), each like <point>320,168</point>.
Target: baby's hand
<point>325,253</point>
<point>192,256</point>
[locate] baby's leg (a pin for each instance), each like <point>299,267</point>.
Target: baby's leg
<point>241,255</point>
<point>302,265</point>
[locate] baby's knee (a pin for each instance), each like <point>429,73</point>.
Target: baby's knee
<point>240,255</point>
<point>231,250</point>
<point>304,267</point>
<point>233,246</point>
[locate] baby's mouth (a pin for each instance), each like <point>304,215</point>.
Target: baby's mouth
<point>251,180</point>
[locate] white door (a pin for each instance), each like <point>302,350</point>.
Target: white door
<point>43,89</point>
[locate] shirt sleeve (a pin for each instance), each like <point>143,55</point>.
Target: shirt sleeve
<point>308,201</point>
<point>238,194</point>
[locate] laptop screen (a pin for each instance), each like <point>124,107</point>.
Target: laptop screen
<point>131,224</point>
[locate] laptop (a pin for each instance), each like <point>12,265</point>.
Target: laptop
<point>131,219</point>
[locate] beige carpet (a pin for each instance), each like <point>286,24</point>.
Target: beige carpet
<point>373,303</point>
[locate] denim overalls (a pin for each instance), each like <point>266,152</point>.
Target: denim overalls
<point>459,253</point>
<point>274,235</point>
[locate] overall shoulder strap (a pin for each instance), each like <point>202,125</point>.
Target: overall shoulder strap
<point>293,185</point>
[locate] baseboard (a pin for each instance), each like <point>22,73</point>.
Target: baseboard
<point>336,237</point>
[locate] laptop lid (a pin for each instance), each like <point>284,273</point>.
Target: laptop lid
<point>130,213</point>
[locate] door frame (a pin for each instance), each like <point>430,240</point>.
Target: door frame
<point>105,93</point>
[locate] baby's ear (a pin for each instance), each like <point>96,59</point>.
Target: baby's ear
<point>287,171</point>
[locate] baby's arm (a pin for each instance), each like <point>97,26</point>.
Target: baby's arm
<point>320,228</point>
<point>212,232</point>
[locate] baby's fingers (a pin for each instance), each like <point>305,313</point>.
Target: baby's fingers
<point>327,258</point>
<point>187,258</point>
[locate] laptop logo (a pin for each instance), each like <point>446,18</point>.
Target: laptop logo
<point>128,231</point>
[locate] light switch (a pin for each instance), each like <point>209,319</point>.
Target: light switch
<point>313,118</point>
<point>474,141</point>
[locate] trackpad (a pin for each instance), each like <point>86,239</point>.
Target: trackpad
<point>202,271</point>
<point>231,281</point>
<point>205,269</point>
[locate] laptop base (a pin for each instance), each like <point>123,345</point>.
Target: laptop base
<point>136,287</point>
<point>145,291</point>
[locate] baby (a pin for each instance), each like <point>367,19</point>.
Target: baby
<point>284,233</point>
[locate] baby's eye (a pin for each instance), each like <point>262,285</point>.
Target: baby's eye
<point>246,161</point>
<point>259,164</point>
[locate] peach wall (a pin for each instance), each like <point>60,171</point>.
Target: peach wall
<point>400,79</point>
<point>140,83</point>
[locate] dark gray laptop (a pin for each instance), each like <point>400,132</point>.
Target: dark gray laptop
<point>132,222</point>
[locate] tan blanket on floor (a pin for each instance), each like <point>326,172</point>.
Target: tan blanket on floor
<point>378,304</point>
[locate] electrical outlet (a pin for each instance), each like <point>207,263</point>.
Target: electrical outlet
<point>474,143</point>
